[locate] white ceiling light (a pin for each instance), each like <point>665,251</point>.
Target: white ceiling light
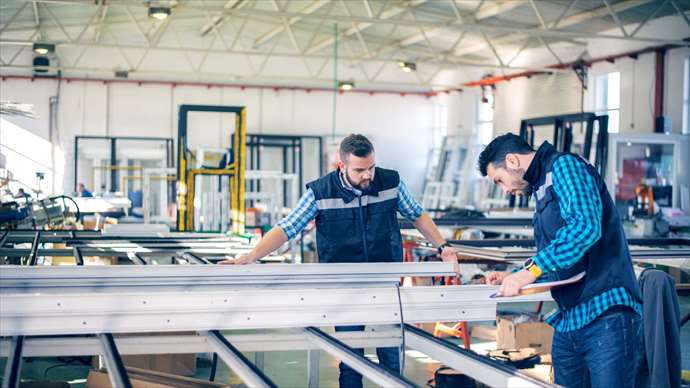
<point>159,13</point>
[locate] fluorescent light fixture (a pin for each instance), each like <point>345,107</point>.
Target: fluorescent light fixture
<point>346,85</point>
<point>43,48</point>
<point>159,13</point>
<point>407,66</point>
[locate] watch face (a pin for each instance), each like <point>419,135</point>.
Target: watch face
<point>528,263</point>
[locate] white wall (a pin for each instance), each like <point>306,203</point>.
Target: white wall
<point>541,95</point>
<point>544,95</point>
<point>400,127</point>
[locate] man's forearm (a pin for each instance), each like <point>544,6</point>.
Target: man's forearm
<point>269,243</point>
<point>425,225</point>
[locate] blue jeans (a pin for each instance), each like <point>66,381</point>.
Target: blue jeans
<point>605,353</point>
<point>389,358</point>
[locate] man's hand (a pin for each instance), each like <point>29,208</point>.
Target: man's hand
<point>244,259</point>
<point>512,283</point>
<point>450,255</point>
<point>496,278</point>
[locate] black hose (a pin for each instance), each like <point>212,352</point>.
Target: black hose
<point>78,213</point>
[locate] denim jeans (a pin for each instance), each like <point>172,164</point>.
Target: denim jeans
<point>389,358</point>
<point>606,353</point>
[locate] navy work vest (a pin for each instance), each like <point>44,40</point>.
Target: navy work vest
<point>357,229</point>
<point>607,262</point>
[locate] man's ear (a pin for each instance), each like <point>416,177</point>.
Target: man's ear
<point>512,161</point>
<point>341,165</point>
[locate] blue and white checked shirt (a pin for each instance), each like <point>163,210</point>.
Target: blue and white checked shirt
<point>581,209</point>
<point>306,210</point>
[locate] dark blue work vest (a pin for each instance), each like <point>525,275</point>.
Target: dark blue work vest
<point>352,229</point>
<point>607,262</point>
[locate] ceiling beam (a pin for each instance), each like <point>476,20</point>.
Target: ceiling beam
<point>309,9</point>
<point>218,18</point>
<point>362,25</point>
<point>564,22</point>
<point>495,8</point>
<point>450,62</point>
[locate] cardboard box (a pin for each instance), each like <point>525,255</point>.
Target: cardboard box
<point>530,334</point>
<point>183,364</point>
<point>178,364</point>
<point>148,379</point>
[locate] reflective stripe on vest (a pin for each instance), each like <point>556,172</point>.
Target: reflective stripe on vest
<point>548,182</point>
<point>339,203</point>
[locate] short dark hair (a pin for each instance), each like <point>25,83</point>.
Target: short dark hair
<point>356,145</point>
<point>495,153</point>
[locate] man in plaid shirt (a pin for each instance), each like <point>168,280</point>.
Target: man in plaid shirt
<point>355,208</point>
<point>597,339</point>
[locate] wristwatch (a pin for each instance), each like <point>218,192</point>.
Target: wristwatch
<point>531,266</point>
<point>440,247</point>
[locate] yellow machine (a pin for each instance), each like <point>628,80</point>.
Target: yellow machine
<point>234,169</point>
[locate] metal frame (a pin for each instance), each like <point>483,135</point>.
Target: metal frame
<point>86,300</point>
<point>14,363</point>
<point>468,362</point>
<point>291,144</point>
<point>250,374</point>
<point>681,160</point>
<point>185,201</point>
<point>563,137</point>
<point>113,362</point>
<point>113,153</point>
<point>481,368</point>
<point>83,300</point>
<point>376,373</point>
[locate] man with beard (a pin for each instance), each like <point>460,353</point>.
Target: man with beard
<point>598,324</point>
<point>355,208</point>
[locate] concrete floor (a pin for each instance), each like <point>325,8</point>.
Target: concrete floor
<point>288,369</point>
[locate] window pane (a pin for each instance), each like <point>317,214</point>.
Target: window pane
<point>613,91</point>
<point>600,90</point>
<point>686,98</point>
<point>614,120</point>
<point>486,112</point>
<point>486,132</point>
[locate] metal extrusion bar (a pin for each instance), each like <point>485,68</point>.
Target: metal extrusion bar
<point>361,364</point>
<point>113,362</point>
<point>72,276</point>
<point>483,369</point>
<point>283,340</point>
<point>34,249</point>
<point>192,258</point>
<point>14,363</point>
<point>4,238</point>
<point>136,259</point>
<point>248,372</point>
<point>78,257</point>
<point>51,311</point>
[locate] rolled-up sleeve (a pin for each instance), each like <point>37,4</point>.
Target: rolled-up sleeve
<point>300,216</point>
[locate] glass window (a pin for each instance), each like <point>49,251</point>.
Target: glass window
<point>686,98</point>
<point>485,117</point>
<point>642,163</point>
<point>608,98</point>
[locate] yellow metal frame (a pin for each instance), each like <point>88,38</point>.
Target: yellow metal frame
<point>186,177</point>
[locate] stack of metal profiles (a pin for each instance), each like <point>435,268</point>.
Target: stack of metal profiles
<point>519,250</point>
<point>76,310</point>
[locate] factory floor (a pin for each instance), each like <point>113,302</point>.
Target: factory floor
<point>288,369</point>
